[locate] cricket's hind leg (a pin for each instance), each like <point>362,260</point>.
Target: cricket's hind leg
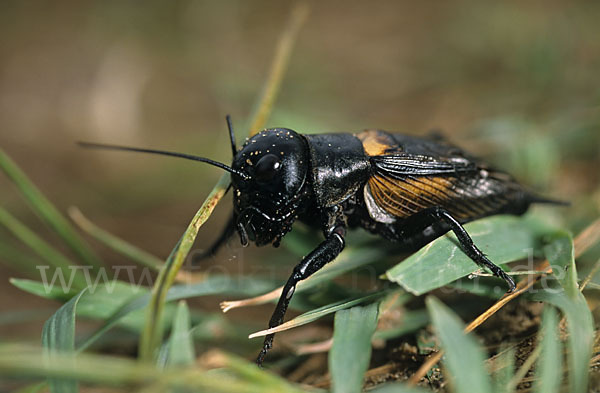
<point>431,223</point>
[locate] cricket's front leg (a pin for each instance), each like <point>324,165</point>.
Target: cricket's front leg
<point>325,252</point>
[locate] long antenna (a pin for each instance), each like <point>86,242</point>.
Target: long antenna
<point>231,134</point>
<point>165,153</point>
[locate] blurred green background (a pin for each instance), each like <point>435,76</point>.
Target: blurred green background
<point>514,82</point>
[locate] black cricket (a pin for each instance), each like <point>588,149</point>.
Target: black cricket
<point>407,189</point>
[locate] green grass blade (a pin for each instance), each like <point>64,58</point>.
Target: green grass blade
<point>46,210</point>
<point>114,243</point>
<point>579,318</point>
<point>17,361</point>
<point>504,371</point>
<point>464,358</point>
<point>181,345</point>
<point>250,372</point>
<point>503,238</point>
<point>112,308</point>
<point>549,369</point>
<point>53,292</point>
<point>55,259</point>
<point>560,254</point>
<point>320,312</point>
<point>220,284</point>
<point>278,67</point>
<point>58,336</point>
<point>350,259</point>
<point>118,303</point>
<point>411,322</point>
<point>581,335</point>
<point>351,351</point>
<point>152,333</point>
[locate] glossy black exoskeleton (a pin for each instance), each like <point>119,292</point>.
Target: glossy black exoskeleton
<point>406,189</point>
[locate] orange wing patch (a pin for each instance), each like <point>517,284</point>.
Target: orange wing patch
<point>403,198</point>
<point>377,142</point>
<point>400,195</point>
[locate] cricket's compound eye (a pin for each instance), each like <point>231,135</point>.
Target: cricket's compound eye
<point>267,167</point>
